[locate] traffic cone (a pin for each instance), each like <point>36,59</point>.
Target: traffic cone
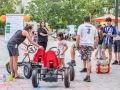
<point>25,52</point>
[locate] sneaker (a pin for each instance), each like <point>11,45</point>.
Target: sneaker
<point>72,63</point>
<point>87,79</point>
<point>84,70</point>
<point>115,62</point>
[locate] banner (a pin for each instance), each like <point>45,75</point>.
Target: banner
<point>14,22</point>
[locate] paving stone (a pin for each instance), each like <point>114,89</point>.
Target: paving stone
<point>110,81</point>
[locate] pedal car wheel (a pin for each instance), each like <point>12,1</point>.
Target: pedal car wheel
<point>8,68</point>
<point>67,78</point>
<point>72,73</point>
<point>56,50</point>
<point>35,78</point>
<point>27,71</point>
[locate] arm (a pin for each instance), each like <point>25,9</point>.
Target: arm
<point>47,30</point>
<point>42,34</point>
<point>25,43</point>
<point>77,41</point>
<point>79,33</point>
<point>66,47</point>
<point>25,33</point>
<point>96,41</point>
<point>114,33</point>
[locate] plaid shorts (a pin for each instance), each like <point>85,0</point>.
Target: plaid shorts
<point>86,52</point>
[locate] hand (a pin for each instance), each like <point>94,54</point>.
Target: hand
<point>95,47</point>
<point>40,47</point>
<point>45,28</point>
<point>108,35</point>
<point>62,53</point>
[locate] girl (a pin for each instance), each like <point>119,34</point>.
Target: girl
<point>62,46</point>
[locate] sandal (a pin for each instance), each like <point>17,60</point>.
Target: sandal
<point>19,77</point>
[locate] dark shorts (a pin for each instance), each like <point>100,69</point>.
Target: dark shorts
<point>86,52</point>
<point>13,49</point>
<point>117,46</point>
<point>44,44</point>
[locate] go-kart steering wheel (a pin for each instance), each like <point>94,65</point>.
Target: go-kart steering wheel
<point>31,49</point>
<point>56,50</point>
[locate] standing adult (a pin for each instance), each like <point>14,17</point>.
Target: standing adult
<point>43,35</point>
<point>86,40</point>
<point>13,45</point>
<point>109,32</point>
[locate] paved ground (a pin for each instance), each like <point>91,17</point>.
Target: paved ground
<point>109,81</point>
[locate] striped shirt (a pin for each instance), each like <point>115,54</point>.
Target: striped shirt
<point>109,30</point>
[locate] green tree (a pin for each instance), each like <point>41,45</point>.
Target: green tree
<point>64,12</point>
<point>7,7</point>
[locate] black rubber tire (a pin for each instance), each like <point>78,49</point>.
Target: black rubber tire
<point>67,78</point>
<point>35,77</point>
<point>8,68</point>
<point>72,73</point>
<point>27,70</point>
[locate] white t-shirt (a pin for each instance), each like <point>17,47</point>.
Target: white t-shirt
<point>61,46</point>
<point>87,34</point>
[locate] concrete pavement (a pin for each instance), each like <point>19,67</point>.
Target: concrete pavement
<point>109,81</point>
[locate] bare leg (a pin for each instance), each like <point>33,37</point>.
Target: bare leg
<point>110,56</point>
<point>11,65</point>
<point>72,53</point>
<point>60,62</point>
<point>84,63</point>
<point>88,67</point>
<point>15,59</point>
<point>96,54</point>
<point>116,57</point>
<point>103,54</point>
<point>63,62</point>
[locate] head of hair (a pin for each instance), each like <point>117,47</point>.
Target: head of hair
<point>101,28</point>
<point>28,27</point>
<point>98,26</point>
<point>104,24</point>
<point>33,32</point>
<point>108,19</point>
<point>86,18</point>
<point>41,24</point>
<point>101,33</point>
<point>60,34</point>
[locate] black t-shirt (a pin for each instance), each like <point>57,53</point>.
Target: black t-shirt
<point>42,38</point>
<point>17,38</point>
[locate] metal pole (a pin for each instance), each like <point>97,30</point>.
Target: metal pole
<point>116,12</point>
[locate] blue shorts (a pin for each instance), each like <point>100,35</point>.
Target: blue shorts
<point>117,46</point>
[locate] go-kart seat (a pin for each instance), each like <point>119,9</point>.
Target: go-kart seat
<point>51,60</point>
<point>39,55</point>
